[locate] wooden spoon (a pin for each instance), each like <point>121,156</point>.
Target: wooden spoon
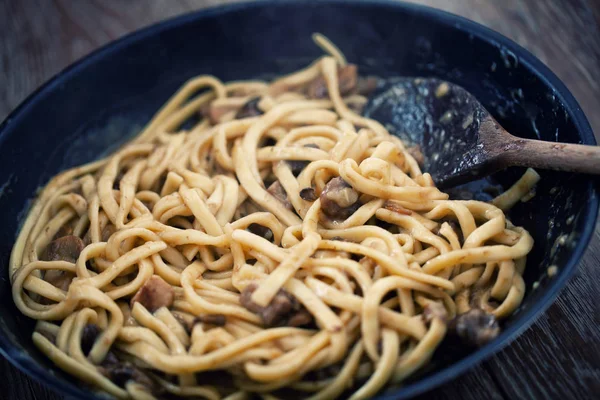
<point>459,140</point>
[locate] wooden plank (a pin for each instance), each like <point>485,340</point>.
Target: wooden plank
<point>563,34</point>
<point>16,385</point>
<point>560,355</point>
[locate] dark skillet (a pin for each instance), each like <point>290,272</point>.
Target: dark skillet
<point>95,104</point>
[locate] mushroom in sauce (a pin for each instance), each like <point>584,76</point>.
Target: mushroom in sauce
<point>121,372</point>
<point>284,309</point>
<point>308,194</point>
<point>338,199</point>
<point>277,191</point>
<point>250,109</point>
<point>66,248</point>
<point>212,319</point>
<point>475,327</point>
<point>261,231</point>
<point>347,78</point>
<point>154,294</point>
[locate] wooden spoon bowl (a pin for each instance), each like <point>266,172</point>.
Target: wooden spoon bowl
<point>459,139</point>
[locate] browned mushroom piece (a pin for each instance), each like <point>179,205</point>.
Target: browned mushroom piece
<point>250,109</point>
<point>277,191</point>
<point>261,231</point>
<point>280,307</point>
<point>308,194</point>
<point>300,318</point>
<point>347,78</point>
<point>317,89</point>
<point>107,232</point>
<point>58,278</point>
<point>338,199</point>
<point>216,111</point>
<point>121,372</point>
<point>154,294</point>
<point>66,248</point>
<point>64,230</point>
<point>284,309</point>
<point>212,319</point>
<point>475,327</point>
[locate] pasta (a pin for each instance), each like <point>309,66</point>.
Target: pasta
<point>265,234</point>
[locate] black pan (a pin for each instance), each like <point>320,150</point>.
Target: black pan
<point>96,104</point>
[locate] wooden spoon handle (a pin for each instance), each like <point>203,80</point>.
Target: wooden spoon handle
<point>551,155</point>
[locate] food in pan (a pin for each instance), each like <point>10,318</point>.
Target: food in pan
<point>262,237</point>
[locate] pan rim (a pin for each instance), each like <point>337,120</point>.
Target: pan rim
<point>525,319</point>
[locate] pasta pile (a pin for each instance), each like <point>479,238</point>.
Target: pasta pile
<point>266,232</point>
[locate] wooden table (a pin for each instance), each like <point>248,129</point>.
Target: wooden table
<point>557,358</point>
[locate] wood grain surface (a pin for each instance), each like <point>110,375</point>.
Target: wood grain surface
<point>559,356</point>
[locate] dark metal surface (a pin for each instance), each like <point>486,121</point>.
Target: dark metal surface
<point>439,117</point>
<point>87,118</point>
